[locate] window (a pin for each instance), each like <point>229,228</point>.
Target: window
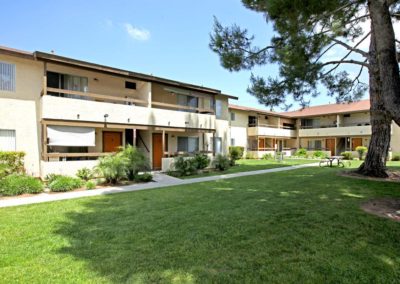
<point>7,77</point>
<point>233,117</point>
<point>189,101</point>
<point>217,145</point>
<point>188,144</point>
<point>232,141</point>
<point>346,115</point>
<point>67,82</point>
<point>7,140</point>
<point>218,109</point>
<point>252,120</point>
<point>315,144</point>
<point>288,126</point>
<point>130,85</point>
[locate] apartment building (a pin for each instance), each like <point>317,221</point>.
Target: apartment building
<point>333,128</point>
<point>65,113</point>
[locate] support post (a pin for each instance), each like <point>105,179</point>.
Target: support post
<point>213,143</point>
<point>134,138</point>
<point>44,141</point>
<point>163,143</point>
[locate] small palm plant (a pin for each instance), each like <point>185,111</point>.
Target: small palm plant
<point>113,167</point>
<point>137,161</point>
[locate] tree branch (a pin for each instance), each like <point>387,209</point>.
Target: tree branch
<point>351,48</point>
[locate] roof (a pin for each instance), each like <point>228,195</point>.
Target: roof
<point>257,110</point>
<point>363,105</point>
<point>52,58</point>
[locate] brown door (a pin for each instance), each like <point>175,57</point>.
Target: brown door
<point>157,150</point>
<point>355,142</point>
<point>111,141</point>
<point>330,145</point>
<point>261,143</point>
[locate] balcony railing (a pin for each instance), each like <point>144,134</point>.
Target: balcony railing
<point>271,126</point>
<point>335,126</point>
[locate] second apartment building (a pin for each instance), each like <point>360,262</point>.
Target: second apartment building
<point>334,128</point>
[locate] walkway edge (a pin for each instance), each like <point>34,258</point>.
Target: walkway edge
<point>162,183</point>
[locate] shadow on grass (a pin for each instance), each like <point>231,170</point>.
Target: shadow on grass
<point>287,227</point>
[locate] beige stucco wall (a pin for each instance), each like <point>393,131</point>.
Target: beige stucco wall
<point>20,110</point>
<point>395,141</point>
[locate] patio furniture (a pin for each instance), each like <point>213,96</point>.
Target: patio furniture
<point>331,161</point>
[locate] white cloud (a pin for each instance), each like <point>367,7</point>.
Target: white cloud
<point>137,33</point>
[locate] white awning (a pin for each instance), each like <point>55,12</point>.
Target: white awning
<point>70,136</point>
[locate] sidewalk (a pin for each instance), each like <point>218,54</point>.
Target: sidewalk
<point>160,180</point>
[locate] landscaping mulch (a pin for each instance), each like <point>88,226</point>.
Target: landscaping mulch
<point>383,207</point>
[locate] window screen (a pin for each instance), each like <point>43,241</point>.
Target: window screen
<point>7,77</point>
<point>7,140</point>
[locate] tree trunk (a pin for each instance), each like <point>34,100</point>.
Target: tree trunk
<point>386,54</point>
<point>375,161</point>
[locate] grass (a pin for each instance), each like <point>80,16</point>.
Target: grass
<point>254,165</point>
<point>300,226</point>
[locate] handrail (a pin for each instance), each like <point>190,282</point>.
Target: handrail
<point>74,155</point>
<point>93,95</point>
<point>335,126</point>
<point>144,144</point>
<point>272,126</point>
<point>182,107</point>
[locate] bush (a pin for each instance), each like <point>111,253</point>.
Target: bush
<point>137,161</point>
<point>84,174</point>
<point>51,177</point>
<point>396,158</point>
<point>361,151</point>
<point>301,153</point>
<point>65,183</point>
<point>268,156</point>
<point>185,167</point>
<point>249,156</point>
<point>320,155</point>
<point>146,177</point>
<point>235,153</point>
<point>15,184</point>
<point>202,161</point>
<point>114,167</point>
<point>11,163</point>
<point>222,162</point>
<point>90,184</point>
<point>347,155</point>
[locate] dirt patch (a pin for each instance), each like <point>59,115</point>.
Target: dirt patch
<point>394,176</point>
<point>383,207</point>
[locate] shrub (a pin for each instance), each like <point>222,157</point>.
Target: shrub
<point>51,177</point>
<point>11,163</point>
<point>202,161</point>
<point>185,167</point>
<point>137,161</point>
<point>396,158</point>
<point>361,151</point>
<point>320,155</point>
<point>65,183</point>
<point>15,184</point>
<point>114,167</point>
<point>301,153</point>
<point>90,184</point>
<point>347,155</point>
<point>146,177</point>
<point>222,162</point>
<point>235,153</point>
<point>268,156</point>
<point>249,156</point>
<point>84,174</point>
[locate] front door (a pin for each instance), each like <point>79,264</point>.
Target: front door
<point>111,141</point>
<point>157,151</point>
<point>330,145</point>
<point>355,142</point>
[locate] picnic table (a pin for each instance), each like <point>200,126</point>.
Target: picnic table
<point>329,161</point>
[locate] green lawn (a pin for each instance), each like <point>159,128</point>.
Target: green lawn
<point>254,165</point>
<point>300,226</point>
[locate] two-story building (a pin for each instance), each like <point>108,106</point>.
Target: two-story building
<point>334,128</point>
<point>65,113</point>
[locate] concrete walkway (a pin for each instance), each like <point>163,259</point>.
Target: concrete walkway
<point>160,180</point>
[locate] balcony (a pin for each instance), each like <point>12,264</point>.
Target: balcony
<point>360,129</point>
<point>272,131</point>
<point>100,108</point>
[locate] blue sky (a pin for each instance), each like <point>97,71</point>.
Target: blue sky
<point>164,38</point>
